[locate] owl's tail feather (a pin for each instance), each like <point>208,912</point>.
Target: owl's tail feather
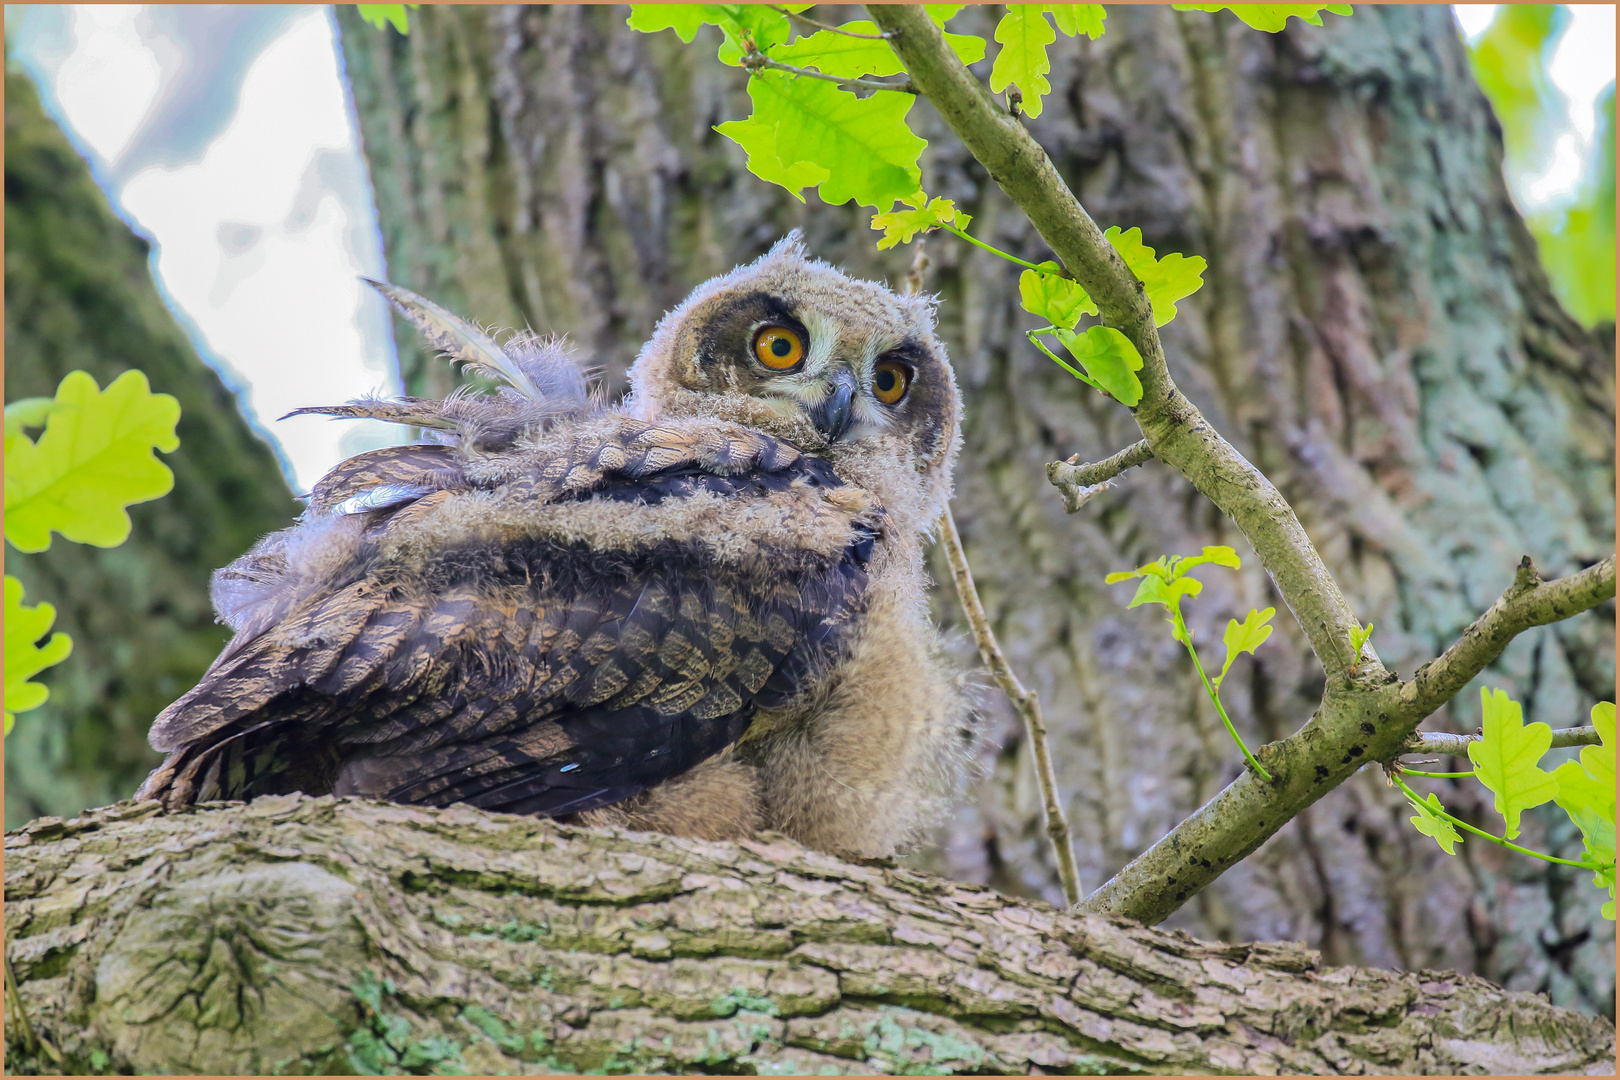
<point>252,763</point>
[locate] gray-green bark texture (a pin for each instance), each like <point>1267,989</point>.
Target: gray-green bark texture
<point>79,295</point>
<point>1374,333</point>
<point>332,936</point>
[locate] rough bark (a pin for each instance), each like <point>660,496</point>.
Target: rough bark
<point>1375,334</point>
<point>79,295</point>
<point>318,935</point>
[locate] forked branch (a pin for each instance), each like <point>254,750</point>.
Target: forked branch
<point>1079,483</point>
<point>1365,714</point>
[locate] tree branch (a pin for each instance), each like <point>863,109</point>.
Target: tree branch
<point>1024,701</point>
<point>1079,483</point>
<point>324,936</point>
<point>1528,602</point>
<point>808,21</point>
<point>758,61</point>
<point>1363,716</point>
<point>1174,428</point>
<point>1441,742</point>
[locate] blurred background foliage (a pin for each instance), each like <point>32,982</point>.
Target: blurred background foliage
<point>1512,60</point>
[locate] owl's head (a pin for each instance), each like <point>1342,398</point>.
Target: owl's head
<point>844,369</point>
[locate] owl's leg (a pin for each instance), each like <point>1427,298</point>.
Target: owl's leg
<point>717,800</point>
<point>876,761</point>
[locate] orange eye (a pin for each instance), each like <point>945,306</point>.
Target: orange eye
<point>778,348</point>
<point>890,382</point>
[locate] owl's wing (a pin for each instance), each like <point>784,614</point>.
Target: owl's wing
<point>532,675</point>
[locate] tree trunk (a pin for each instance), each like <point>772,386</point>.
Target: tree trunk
<point>319,935</point>
<point>1374,332</point>
<point>79,295</point>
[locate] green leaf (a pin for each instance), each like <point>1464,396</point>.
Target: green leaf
<point>1430,823</point>
<point>942,13</point>
<point>900,226</point>
<point>27,413</point>
<point>759,139</point>
<point>1215,554</point>
<point>94,459</point>
<point>1156,590</point>
<point>1245,637</point>
<point>1272,17</point>
<point>1166,280</point>
<point>1059,300</point>
<point>868,152</point>
<point>851,57</point>
<point>1589,803</point>
<point>684,19</point>
<point>1359,636</point>
<point>1024,35</point>
<point>380,15</point>
<point>760,22</point>
<point>1158,568</point>
<point>1109,357</point>
<point>1505,761</point>
<point>1174,567</point>
<point>1599,760</point>
<point>1586,793</point>
<point>24,658</point>
<point>1077,19</point>
<point>766,26</point>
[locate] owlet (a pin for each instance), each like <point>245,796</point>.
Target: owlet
<point>701,611</point>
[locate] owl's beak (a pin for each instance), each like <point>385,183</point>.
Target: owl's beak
<point>837,410</point>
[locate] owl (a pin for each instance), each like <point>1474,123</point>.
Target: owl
<point>700,611</point>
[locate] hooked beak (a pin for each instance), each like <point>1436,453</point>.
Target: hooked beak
<point>837,410</point>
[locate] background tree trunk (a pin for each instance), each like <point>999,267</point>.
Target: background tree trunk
<point>299,935</point>
<point>1375,333</point>
<point>79,295</point>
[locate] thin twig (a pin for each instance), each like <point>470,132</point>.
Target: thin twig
<point>976,242</point>
<point>1440,742</point>
<point>808,21</point>
<point>1078,483</point>
<point>1024,701</point>
<point>758,61</point>
<point>917,276</point>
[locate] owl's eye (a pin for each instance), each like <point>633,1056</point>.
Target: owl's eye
<point>890,382</point>
<point>778,348</point>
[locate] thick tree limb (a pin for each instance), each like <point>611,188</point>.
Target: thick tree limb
<point>1528,602</point>
<point>1079,483</point>
<point>317,935</point>
<point>1178,434</point>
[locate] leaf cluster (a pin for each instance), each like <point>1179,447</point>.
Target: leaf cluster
<point>94,459</point>
<point>819,122</point>
<point>1167,580</point>
<point>1507,761</point>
